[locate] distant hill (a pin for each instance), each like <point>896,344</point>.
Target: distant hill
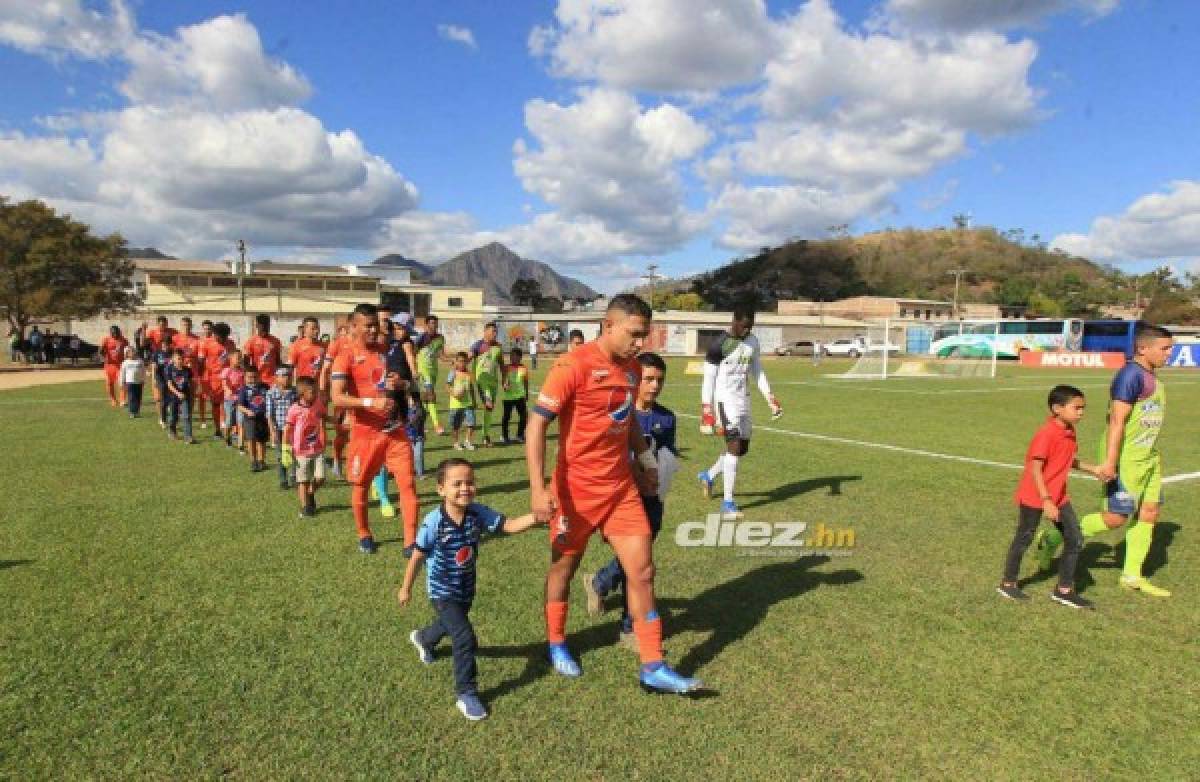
<point>420,271</point>
<point>1000,269</point>
<point>495,268</point>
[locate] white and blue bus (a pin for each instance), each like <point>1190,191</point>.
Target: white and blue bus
<point>1109,336</point>
<point>1005,338</point>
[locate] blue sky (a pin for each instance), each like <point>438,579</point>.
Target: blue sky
<point>604,136</point>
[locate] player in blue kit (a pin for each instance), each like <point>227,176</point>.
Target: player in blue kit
<point>449,539</point>
<point>658,425</point>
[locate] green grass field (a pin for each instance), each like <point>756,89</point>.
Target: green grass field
<point>166,615</point>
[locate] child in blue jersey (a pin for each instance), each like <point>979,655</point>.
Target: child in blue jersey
<point>177,394</point>
<point>162,358</point>
<point>658,425</point>
<point>449,539</point>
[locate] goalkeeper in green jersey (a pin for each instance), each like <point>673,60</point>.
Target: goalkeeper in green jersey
<point>1130,459</point>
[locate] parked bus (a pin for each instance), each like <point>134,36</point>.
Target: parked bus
<point>1109,336</point>
<point>1007,338</point>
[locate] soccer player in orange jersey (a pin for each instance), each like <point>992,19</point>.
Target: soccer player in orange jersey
<point>156,337</point>
<point>206,336</point>
<point>216,358</point>
<point>263,350</point>
<point>360,381</point>
<point>112,351</point>
<point>307,354</point>
<point>591,392</point>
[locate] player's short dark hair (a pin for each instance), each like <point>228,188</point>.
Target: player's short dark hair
<point>515,351</point>
<point>1145,332</point>
<point>743,312</point>
<point>448,464</point>
<point>366,309</point>
<point>1061,394</point>
<point>161,318</point>
<point>251,368</point>
<point>262,319</point>
<point>310,319</point>
<point>177,352</point>
<point>430,317</point>
<point>464,355</point>
<point>653,361</point>
<point>306,384</point>
<point>490,325</point>
<point>186,319</point>
<point>630,304</point>
<point>206,322</point>
<point>221,329</point>
<point>575,333</point>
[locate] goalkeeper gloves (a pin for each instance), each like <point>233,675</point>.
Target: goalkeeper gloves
<point>708,421</point>
<point>287,460</point>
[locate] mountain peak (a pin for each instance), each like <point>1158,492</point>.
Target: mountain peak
<point>495,268</point>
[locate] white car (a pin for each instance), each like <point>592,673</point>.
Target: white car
<point>845,347</point>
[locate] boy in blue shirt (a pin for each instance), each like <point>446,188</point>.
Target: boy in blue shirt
<point>449,539</point>
<point>162,357</point>
<point>252,404</point>
<point>177,396</point>
<point>658,425</point>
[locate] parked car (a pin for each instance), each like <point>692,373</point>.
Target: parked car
<point>803,347</point>
<point>845,347</point>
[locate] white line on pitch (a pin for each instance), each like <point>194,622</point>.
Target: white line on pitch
<point>6,402</point>
<point>1187,476</point>
<point>881,446</point>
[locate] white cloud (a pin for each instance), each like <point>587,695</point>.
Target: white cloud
<point>219,64</point>
<point>462,35</point>
<point>763,216</point>
<point>656,45</point>
<point>65,27</point>
<point>962,15</point>
<point>610,167</point>
<point>1156,226</point>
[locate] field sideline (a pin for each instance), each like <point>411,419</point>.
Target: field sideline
<point>168,616</point>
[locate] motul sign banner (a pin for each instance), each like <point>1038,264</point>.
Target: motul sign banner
<point>1057,360</point>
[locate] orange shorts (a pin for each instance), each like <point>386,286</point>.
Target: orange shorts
<point>613,514</point>
<point>370,449</point>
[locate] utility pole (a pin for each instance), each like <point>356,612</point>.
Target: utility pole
<point>241,272</point>
<point>958,273</point>
<point>651,276</point>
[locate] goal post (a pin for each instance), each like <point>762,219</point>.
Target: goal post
<point>970,351</point>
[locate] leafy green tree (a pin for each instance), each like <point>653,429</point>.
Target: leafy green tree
<point>51,266</point>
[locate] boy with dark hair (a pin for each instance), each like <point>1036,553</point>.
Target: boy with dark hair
<point>449,538</point>
<point>461,387</point>
<point>514,391</point>
<point>575,340</point>
<point>163,357</point>
<point>1043,492</point>
<point>280,399</point>
<point>252,404</point>
<point>658,425</point>
<point>177,396</point>
<point>1131,461</point>
<point>486,359</point>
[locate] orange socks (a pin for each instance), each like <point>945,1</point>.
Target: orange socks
<point>358,502</point>
<point>649,632</point>
<point>556,622</point>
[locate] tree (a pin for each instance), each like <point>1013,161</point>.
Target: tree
<point>52,266</point>
<point>526,291</point>
<point>549,304</point>
<point>1173,308</point>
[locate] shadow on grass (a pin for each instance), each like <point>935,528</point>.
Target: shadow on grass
<point>1098,555</point>
<point>727,611</point>
<point>796,488</point>
<point>5,564</point>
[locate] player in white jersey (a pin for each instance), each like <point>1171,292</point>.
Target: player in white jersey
<point>732,362</point>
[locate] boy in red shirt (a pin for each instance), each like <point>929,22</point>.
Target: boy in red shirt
<point>1043,491</point>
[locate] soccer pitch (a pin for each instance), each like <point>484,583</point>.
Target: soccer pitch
<point>167,615</point>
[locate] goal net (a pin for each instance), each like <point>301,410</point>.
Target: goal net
<point>962,350</point>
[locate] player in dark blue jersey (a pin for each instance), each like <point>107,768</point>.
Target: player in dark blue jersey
<point>658,425</point>
<point>449,538</point>
<point>177,396</point>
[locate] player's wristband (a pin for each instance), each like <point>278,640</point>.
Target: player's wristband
<point>647,460</point>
